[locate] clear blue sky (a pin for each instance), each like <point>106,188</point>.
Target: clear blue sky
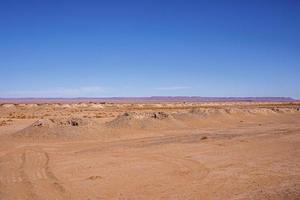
<point>146,48</point>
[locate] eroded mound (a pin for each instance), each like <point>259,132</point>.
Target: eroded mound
<point>205,112</point>
<point>182,118</point>
<point>197,117</point>
<point>142,120</point>
<point>55,127</point>
<point>63,122</point>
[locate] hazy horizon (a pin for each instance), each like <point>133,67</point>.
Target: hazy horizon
<point>146,99</point>
<point>67,49</point>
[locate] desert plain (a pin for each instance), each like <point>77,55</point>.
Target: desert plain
<point>140,150</point>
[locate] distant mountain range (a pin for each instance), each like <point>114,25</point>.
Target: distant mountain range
<point>148,99</point>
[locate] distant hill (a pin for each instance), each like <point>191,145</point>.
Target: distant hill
<point>148,99</point>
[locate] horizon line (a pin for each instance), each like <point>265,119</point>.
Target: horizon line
<point>146,99</point>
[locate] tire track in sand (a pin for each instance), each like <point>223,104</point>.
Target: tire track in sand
<point>27,170</point>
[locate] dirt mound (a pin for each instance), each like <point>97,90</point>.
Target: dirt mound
<point>64,122</point>
<point>55,128</point>
<point>197,115</point>
<point>8,105</point>
<point>100,106</point>
<point>142,120</point>
<point>144,115</point>
<point>205,112</point>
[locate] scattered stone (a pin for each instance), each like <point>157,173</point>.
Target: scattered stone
<point>94,178</point>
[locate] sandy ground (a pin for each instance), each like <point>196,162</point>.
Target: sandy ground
<point>150,151</point>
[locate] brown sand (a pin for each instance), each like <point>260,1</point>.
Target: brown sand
<point>150,151</point>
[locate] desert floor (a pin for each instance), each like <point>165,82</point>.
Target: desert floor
<point>150,151</point>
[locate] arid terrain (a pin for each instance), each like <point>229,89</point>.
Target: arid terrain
<point>187,150</point>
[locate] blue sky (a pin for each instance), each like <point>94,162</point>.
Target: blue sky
<point>149,48</point>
